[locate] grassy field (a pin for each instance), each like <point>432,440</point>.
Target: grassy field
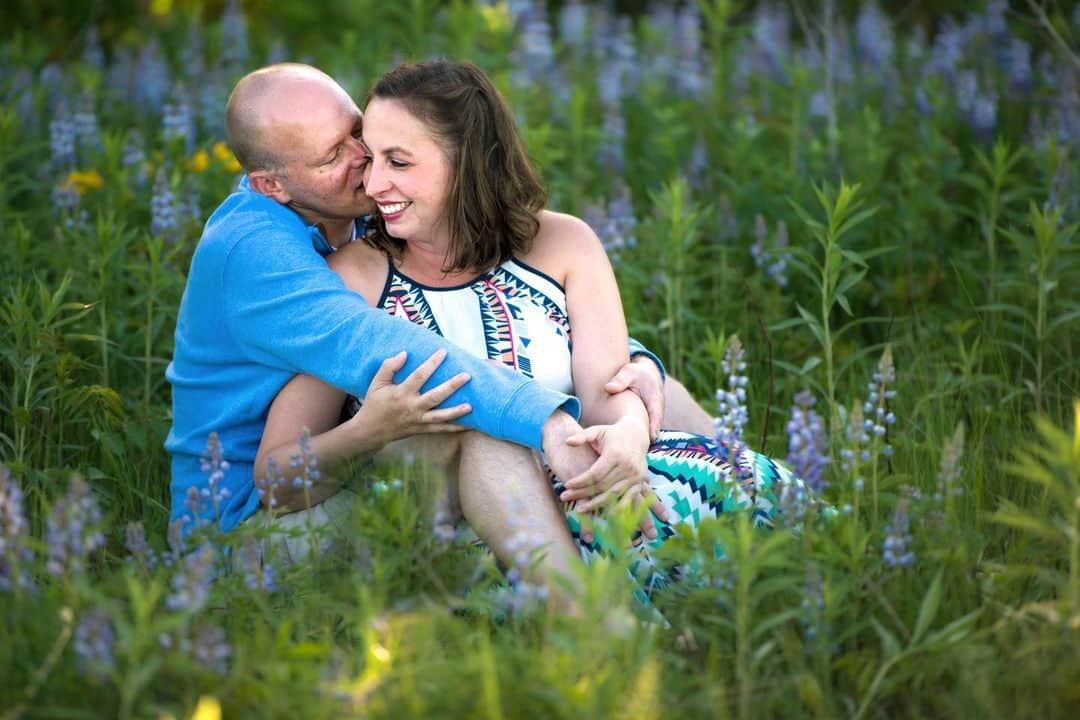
<point>881,207</point>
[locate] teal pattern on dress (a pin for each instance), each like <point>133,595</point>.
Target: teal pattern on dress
<point>695,478</point>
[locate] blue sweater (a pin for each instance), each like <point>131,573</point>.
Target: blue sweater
<point>261,305</point>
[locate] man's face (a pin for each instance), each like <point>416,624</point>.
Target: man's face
<point>317,135</point>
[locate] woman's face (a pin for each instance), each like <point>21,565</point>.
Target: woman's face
<point>409,174</point>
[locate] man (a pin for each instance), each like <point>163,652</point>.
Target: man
<point>261,305</point>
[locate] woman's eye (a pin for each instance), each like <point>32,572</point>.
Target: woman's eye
<point>398,163</point>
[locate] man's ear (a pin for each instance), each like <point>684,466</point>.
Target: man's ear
<point>267,183</point>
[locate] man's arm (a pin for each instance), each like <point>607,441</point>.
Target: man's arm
<point>287,309</point>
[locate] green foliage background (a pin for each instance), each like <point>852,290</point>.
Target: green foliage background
<point>966,269</point>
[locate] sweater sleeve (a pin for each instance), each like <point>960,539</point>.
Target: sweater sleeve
<point>287,309</point>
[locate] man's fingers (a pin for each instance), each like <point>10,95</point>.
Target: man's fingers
<point>586,436</point>
<point>445,415</point>
<point>439,393</point>
<point>423,372</point>
<point>620,382</point>
<point>654,407</point>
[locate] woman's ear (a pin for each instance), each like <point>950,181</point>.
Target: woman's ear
<point>267,183</point>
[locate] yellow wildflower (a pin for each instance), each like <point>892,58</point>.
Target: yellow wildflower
<point>160,8</point>
<point>224,155</point>
<point>496,17</point>
<point>83,180</point>
<point>208,709</point>
<point>199,162</point>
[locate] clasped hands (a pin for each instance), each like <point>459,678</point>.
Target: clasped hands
<point>605,465</point>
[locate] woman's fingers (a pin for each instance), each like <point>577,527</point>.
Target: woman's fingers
<point>423,372</point>
<point>389,366</point>
<point>445,415</point>
<point>435,396</point>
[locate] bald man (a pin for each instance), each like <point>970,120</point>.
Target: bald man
<point>261,305</point>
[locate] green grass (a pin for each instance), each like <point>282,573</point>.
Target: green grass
<point>967,270</point>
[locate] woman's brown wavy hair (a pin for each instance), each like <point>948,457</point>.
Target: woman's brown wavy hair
<point>495,193</point>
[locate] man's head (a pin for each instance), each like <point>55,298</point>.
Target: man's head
<point>296,133</point>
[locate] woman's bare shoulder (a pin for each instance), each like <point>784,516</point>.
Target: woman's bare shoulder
<point>362,267</point>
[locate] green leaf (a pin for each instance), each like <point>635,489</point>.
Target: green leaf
<point>889,643</point>
<point>928,609</point>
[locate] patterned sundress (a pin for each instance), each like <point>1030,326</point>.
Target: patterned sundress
<point>517,315</point>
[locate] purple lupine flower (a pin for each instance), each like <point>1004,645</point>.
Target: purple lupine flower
<point>522,547</point>
<point>895,550</point>
<point>306,462</point>
<point>151,80</point>
<point>14,550</point>
<point>193,54</point>
<point>62,138</point>
<point>163,220</point>
<point>258,575</point>
<point>690,72</point>
<point>948,49</point>
<point>211,98</point>
<point>138,548</point>
<point>732,414</point>
<point>951,467</point>
<point>120,78</point>
<point>178,120</point>
<point>87,135</point>
<point>967,91</point>
<point>771,258</point>
<point>65,197</point>
<point>234,36</point>
<point>808,443</point>
<point>874,42</point>
<point>93,642</point>
<point>613,135</point>
<point>922,102</point>
<point>190,207</point>
<point>211,649</point>
<point>697,167</point>
<point>22,90</point>
<point>812,617</point>
<point>213,463</point>
<point>818,105</point>
<point>993,21</point>
<point>573,22</point>
<point>984,115</point>
<point>191,583</point>
<point>55,85</point>
<point>73,529</point>
<point>615,223</point>
<point>1019,64</point>
<point>878,416</point>
<point>268,485</point>
<point>93,55</point>
<point>771,33</point>
<point>534,56</point>
<point>615,76</point>
<point>858,442</point>
<point>134,157</point>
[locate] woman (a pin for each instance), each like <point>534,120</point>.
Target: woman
<point>464,247</point>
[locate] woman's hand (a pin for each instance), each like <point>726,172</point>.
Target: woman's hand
<point>394,411</point>
<point>620,476</point>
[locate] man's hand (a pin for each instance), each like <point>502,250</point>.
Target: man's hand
<point>588,464</point>
<point>395,411</point>
<point>641,377</point>
<point>620,475</point>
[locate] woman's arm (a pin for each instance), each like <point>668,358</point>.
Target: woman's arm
<point>599,352</point>
<point>389,412</point>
